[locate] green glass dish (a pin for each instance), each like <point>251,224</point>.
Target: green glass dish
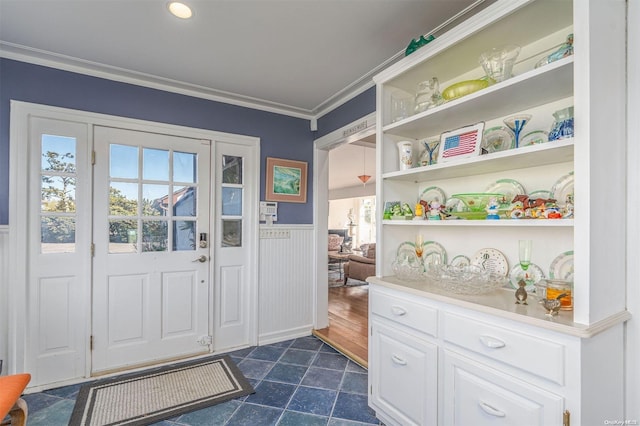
<point>463,88</point>
<point>477,201</point>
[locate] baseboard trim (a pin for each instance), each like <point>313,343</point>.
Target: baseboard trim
<point>281,336</point>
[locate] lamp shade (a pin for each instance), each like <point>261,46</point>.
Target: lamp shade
<point>364,178</point>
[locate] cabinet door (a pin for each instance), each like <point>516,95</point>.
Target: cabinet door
<point>475,394</point>
<point>403,376</point>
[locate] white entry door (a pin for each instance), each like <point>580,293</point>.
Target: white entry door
<point>152,260</point>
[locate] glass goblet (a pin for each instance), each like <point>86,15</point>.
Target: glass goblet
<point>524,252</point>
<point>516,123</point>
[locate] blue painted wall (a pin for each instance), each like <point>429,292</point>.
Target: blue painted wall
<point>361,105</point>
<point>281,136</point>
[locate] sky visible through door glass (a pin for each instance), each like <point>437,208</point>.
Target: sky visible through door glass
<point>124,165</point>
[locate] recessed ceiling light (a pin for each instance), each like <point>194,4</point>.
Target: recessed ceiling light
<point>180,10</point>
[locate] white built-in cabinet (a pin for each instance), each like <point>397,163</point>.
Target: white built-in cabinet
<point>437,358</point>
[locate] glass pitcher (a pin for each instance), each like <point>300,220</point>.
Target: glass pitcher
<point>562,127</point>
<point>428,95</point>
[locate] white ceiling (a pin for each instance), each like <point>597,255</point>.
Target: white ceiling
<point>347,162</point>
<point>300,57</point>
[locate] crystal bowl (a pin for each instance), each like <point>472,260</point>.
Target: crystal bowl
<point>477,201</point>
<point>498,62</point>
<point>469,279</point>
<point>406,271</point>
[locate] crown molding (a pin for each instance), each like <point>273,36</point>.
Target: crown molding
<point>95,69</point>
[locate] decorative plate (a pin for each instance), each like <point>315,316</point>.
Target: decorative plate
<point>434,254</point>
<point>540,193</point>
<point>534,138</point>
<point>562,267</point>
<point>491,260</point>
<point>562,190</point>
<point>406,246</point>
<point>460,260</point>
<point>497,139</point>
<point>433,193</point>
<point>509,187</point>
<point>532,275</point>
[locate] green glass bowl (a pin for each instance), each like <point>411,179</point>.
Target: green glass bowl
<point>463,88</point>
<point>477,201</point>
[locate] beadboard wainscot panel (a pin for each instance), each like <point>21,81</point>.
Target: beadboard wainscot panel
<point>4,294</point>
<point>286,282</point>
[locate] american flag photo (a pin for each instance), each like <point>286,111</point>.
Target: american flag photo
<point>464,142</point>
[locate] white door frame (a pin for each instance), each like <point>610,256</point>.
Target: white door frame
<point>352,132</point>
<point>18,221</point>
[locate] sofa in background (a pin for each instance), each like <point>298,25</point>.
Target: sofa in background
<point>361,267</point>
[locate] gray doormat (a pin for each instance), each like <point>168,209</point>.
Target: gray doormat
<point>158,394</point>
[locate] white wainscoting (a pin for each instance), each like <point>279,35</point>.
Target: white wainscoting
<point>286,282</point>
<point>4,294</point>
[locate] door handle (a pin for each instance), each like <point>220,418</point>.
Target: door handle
<point>202,259</point>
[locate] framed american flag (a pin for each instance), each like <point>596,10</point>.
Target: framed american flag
<point>461,143</point>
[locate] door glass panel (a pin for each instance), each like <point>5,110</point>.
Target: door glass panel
<point>123,199</point>
<point>154,235</point>
<point>231,169</point>
<point>231,201</point>
<point>130,215</point>
<point>59,153</point>
<point>58,194</point>
<point>123,236</point>
<point>123,161</point>
<point>155,200</point>
<point>184,201</point>
<point>155,164</point>
<point>231,233</point>
<point>58,234</point>
<point>184,167</point>
<point>184,235</point>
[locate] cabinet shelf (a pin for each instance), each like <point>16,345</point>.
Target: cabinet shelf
<point>530,89</point>
<point>483,223</point>
<point>529,156</point>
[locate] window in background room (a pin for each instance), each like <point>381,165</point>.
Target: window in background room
<point>366,220</point>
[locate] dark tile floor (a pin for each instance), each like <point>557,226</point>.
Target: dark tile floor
<point>300,382</point>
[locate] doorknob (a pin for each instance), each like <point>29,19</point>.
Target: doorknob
<point>202,259</point>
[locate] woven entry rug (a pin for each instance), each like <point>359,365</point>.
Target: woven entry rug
<point>151,396</point>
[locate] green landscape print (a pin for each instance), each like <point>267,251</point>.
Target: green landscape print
<point>286,180</point>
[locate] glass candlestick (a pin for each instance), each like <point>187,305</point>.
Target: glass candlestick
<point>516,124</point>
<point>419,246</point>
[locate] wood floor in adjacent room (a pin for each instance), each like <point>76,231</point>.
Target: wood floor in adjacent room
<point>348,322</point>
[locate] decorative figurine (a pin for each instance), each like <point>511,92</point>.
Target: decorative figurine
<point>568,208</point>
<point>434,210</point>
<point>552,306</point>
<point>419,212</point>
<point>492,209</point>
<point>521,293</point>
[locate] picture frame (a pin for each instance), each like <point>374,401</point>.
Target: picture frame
<point>286,180</point>
<point>461,143</point>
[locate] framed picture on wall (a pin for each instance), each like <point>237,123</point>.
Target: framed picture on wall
<point>461,143</point>
<point>286,180</point>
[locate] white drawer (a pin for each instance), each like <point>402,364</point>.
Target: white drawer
<point>541,357</point>
<point>404,311</point>
<point>474,394</point>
